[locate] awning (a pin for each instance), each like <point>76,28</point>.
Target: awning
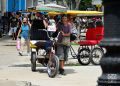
<point>84,13</point>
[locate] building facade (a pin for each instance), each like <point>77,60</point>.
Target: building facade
<point>16,5</point>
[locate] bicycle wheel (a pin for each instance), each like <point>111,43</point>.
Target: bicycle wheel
<point>33,61</point>
<point>96,55</point>
<point>53,66</point>
<point>84,56</point>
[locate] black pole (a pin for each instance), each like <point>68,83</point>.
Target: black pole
<point>110,63</point>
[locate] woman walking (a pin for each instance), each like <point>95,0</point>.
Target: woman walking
<point>24,33</point>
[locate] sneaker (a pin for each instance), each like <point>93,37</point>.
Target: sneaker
<point>20,54</point>
<point>62,72</point>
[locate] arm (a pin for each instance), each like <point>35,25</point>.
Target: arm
<point>69,31</point>
<point>29,24</point>
<point>45,24</point>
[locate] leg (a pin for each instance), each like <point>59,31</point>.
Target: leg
<point>28,45</point>
<point>12,31</point>
<point>61,64</point>
<point>22,45</point>
<point>15,29</point>
<point>13,36</point>
<point>66,51</point>
<point>60,54</point>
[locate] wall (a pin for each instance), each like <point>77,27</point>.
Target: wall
<point>29,3</point>
<point>3,6</point>
<point>16,5</point>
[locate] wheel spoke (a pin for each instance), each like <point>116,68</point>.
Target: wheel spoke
<point>96,54</point>
<point>84,57</point>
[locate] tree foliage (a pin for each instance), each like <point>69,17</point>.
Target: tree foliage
<point>75,4</point>
<point>85,4</point>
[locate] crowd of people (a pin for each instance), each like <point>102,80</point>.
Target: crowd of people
<point>69,27</point>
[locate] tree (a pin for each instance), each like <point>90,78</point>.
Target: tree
<point>85,4</point>
<point>75,4</point>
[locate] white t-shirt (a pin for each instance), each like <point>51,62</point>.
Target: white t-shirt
<point>73,29</point>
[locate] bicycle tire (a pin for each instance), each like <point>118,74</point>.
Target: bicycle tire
<point>33,61</point>
<point>83,56</point>
<point>53,66</point>
<point>95,58</point>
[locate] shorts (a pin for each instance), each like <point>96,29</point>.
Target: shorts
<point>62,52</point>
<point>13,29</point>
<point>23,40</point>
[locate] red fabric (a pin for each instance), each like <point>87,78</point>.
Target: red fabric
<point>93,36</point>
<point>90,35</point>
<point>88,42</point>
<point>99,33</point>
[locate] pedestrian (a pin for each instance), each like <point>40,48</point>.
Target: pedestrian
<point>19,24</point>
<point>39,22</point>
<point>13,26</point>
<point>73,31</point>
<point>24,33</point>
<point>64,39</point>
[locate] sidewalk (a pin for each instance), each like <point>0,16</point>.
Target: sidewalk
<point>20,71</point>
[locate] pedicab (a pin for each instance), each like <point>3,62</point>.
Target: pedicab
<point>43,51</point>
<point>43,45</point>
<point>89,49</point>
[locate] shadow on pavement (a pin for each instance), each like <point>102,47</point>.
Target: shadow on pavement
<point>70,71</point>
<point>24,65</point>
<point>9,45</point>
<point>21,65</point>
<point>7,41</point>
<point>5,38</point>
<point>42,69</point>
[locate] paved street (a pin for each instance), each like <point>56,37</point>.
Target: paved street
<point>15,69</point>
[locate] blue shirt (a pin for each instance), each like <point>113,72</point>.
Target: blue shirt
<point>25,31</point>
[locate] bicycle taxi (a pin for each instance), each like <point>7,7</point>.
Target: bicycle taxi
<point>90,35</point>
<point>43,47</point>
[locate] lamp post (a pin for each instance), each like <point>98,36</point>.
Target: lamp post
<point>110,63</point>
